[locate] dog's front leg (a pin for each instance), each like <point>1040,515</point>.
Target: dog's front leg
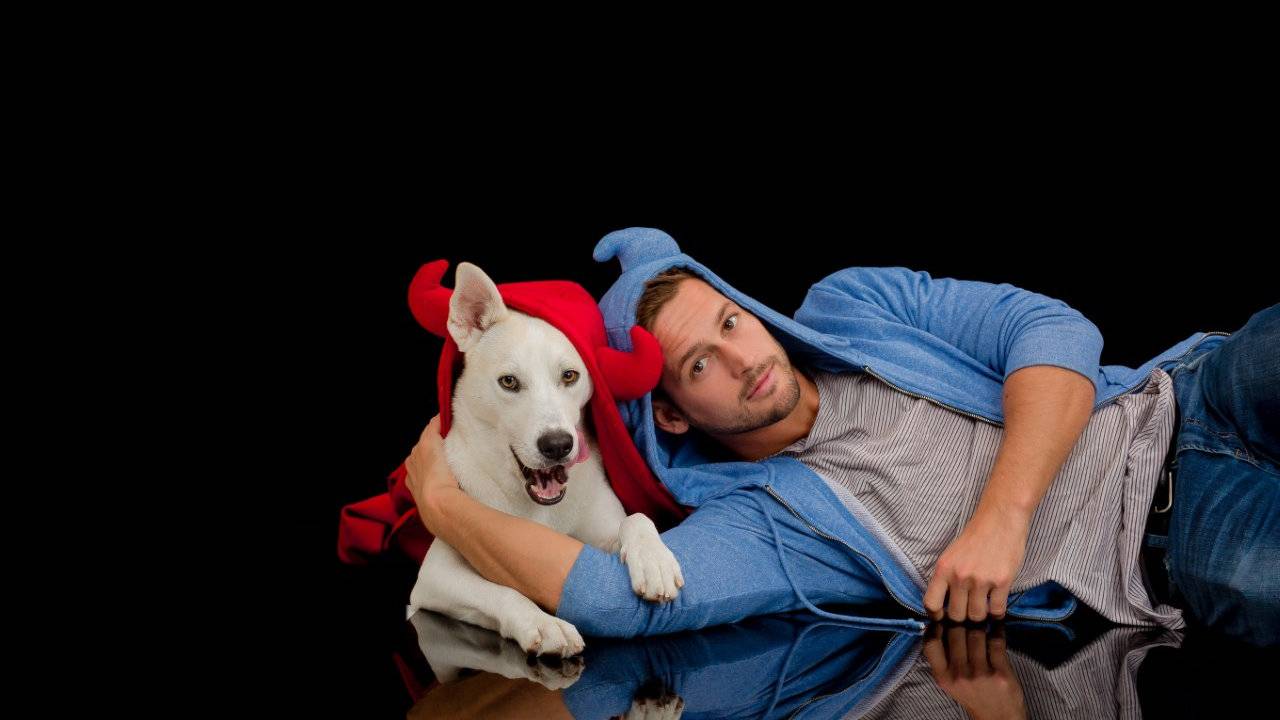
<point>450,645</point>
<point>448,584</point>
<point>655,572</point>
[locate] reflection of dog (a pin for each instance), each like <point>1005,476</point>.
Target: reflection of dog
<point>452,648</point>
<point>455,650</point>
<point>518,441</point>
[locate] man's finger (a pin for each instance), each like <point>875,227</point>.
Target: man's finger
<point>935,652</point>
<point>976,638</point>
<point>958,651</point>
<point>410,478</point>
<point>999,602</point>
<point>977,610</point>
<point>997,648</point>
<point>959,602</point>
<point>934,596</point>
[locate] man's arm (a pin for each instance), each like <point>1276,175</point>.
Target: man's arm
<point>506,549</point>
<point>1046,409</point>
<point>1002,326</point>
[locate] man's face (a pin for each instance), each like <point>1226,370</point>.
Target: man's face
<point>714,354</point>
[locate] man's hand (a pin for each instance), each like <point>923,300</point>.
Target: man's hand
<point>506,549</point>
<point>973,667</point>
<point>426,469</point>
<point>979,566</point>
<point>1046,409</point>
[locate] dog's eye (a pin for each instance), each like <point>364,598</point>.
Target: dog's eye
<point>570,377</point>
<point>509,382</point>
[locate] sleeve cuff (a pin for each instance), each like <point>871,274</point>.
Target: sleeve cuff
<point>585,601</point>
<point>1079,350</point>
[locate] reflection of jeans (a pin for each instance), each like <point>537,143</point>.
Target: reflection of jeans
<point>1223,550</point>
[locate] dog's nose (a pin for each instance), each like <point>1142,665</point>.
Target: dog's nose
<point>555,445</point>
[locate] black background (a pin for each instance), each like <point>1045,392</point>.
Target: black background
<point>274,206</point>
<point>335,380</point>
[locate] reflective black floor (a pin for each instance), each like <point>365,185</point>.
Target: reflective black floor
<point>375,664</point>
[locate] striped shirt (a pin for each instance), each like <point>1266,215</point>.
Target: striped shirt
<point>912,471</point>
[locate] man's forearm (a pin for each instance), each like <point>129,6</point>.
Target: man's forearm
<point>1046,408</point>
<point>504,548</point>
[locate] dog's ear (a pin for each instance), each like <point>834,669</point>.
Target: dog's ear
<point>474,306</point>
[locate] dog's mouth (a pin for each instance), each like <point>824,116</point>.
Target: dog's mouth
<point>545,487</point>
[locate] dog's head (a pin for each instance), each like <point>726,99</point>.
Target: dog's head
<point>524,380</point>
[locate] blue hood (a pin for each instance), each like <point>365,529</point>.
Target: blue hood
<point>691,465</point>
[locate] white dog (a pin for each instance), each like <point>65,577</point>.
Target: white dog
<point>519,443</point>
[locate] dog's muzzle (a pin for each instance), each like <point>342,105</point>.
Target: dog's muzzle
<point>546,486</point>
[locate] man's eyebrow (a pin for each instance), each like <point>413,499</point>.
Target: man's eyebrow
<point>699,345</point>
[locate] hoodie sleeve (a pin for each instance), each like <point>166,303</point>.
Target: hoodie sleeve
<point>1000,325</point>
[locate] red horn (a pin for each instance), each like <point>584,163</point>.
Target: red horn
<point>631,375</point>
<point>428,301</point>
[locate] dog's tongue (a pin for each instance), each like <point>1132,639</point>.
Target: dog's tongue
<point>583,451</point>
<point>546,487</point>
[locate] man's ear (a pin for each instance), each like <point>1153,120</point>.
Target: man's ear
<point>668,417</point>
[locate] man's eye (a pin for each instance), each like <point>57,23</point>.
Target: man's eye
<point>731,322</point>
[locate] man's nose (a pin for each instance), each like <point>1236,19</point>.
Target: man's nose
<point>741,362</point>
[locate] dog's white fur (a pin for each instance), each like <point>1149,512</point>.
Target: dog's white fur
<point>489,423</point>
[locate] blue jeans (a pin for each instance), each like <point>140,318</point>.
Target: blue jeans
<point>1223,546</point>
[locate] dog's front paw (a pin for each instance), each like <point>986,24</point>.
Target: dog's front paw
<point>555,672</point>
<point>655,572</point>
<point>543,634</point>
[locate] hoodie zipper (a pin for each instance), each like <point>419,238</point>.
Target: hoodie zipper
<point>1197,344</point>
<point>1143,384</point>
<point>802,519</point>
<point>867,674</point>
<point>920,625</point>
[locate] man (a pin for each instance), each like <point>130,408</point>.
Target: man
<point>784,520</point>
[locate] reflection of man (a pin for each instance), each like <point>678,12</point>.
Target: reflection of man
<point>960,423</point>
<point>753,669</point>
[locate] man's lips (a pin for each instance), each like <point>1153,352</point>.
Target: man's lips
<point>764,379</point>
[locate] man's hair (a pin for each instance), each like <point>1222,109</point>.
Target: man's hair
<point>658,291</point>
